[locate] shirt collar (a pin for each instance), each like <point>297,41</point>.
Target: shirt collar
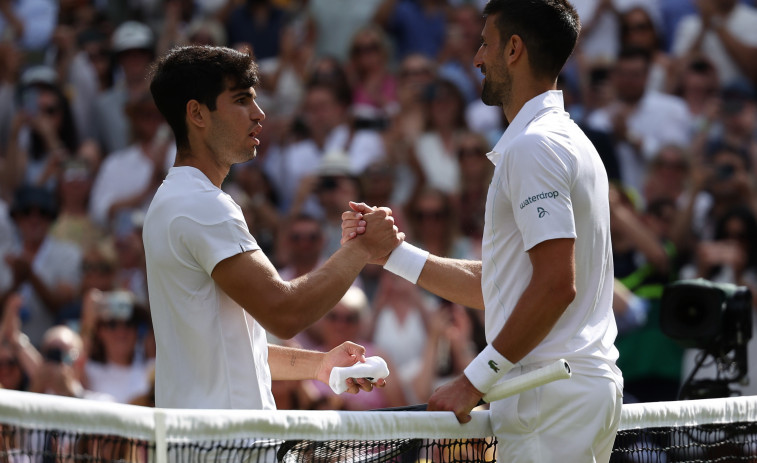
<point>529,111</point>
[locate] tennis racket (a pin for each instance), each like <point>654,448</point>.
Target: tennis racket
<point>350,451</point>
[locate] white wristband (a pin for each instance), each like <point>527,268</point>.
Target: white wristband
<point>487,368</point>
<point>407,261</point>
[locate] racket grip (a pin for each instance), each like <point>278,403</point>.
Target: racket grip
<point>559,369</point>
<point>373,369</point>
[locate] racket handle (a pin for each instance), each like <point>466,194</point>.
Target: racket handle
<point>559,369</point>
<point>373,369</point>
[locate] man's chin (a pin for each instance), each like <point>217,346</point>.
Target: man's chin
<point>488,100</point>
<point>489,97</point>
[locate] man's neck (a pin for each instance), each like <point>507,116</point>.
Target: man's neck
<point>214,171</point>
<point>523,94</point>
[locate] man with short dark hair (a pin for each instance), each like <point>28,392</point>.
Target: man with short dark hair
<point>213,293</point>
<point>546,275</point>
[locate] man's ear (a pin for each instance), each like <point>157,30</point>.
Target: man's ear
<point>515,49</point>
<point>196,113</point>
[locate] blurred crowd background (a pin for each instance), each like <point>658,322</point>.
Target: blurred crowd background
<point>368,100</point>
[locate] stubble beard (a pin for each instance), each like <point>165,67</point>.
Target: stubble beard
<point>497,93</point>
<point>221,143</point>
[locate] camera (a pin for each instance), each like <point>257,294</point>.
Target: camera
<point>30,101</point>
<point>58,356</point>
<point>714,317</point>
<point>724,171</point>
<point>117,305</point>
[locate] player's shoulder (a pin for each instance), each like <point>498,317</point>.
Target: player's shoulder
<point>189,195</point>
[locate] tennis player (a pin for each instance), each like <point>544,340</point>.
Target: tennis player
<point>546,279</point>
<point>212,290</point>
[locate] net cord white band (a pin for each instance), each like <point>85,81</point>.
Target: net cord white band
<point>407,261</point>
<point>39,411</point>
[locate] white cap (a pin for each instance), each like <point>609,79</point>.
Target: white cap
<point>132,35</point>
<point>40,74</point>
<point>335,163</point>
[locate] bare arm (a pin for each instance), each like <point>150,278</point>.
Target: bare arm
<point>286,307</point>
<point>550,291</point>
<point>289,363</point>
<point>456,280</point>
<point>741,53</point>
<point>638,233</point>
<point>548,294</point>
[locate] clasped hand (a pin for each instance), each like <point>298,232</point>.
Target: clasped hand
<point>375,225</point>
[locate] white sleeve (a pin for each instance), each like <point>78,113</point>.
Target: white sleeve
<point>685,34</point>
<point>540,178</point>
<point>101,197</point>
<point>210,243</point>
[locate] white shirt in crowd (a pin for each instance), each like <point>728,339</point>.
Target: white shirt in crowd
<point>123,383</point>
<point>550,183</point>
<point>741,24</point>
<point>56,263</point>
<point>210,352</point>
<point>123,174</point>
<point>658,120</point>
<point>286,166</point>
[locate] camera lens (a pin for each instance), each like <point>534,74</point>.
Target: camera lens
<point>54,355</point>
<point>724,171</point>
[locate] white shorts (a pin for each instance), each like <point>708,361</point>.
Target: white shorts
<point>571,420</point>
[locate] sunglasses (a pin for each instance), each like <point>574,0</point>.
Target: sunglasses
<point>471,151</point>
<point>431,215</point>
<point>96,267</point>
<point>114,324</point>
<point>311,237</point>
<point>366,48</point>
<point>637,27</point>
<point>49,110</point>
<point>411,72</point>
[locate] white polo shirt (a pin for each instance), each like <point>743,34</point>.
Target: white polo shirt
<point>550,183</point>
<point>210,352</point>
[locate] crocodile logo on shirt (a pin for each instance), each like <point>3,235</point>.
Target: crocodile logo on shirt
<point>493,366</point>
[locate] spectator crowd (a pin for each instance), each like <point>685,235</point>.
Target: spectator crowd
<point>365,100</point>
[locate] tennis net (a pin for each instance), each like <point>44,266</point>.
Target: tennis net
<point>41,428</point>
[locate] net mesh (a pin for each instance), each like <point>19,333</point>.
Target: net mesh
<point>40,428</point>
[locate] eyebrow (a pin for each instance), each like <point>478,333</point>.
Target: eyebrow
<point>249,93</point>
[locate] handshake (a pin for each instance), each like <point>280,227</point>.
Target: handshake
<point>371,230</point>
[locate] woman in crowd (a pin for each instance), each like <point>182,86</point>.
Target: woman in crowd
<point>400,327</point>
<point>638,29</point>
<point>374,87</point>
<point>42,134</point>
<point>348,321</point>
<point>111,328</point>
<point>436,148</point>
<point>433,225</point>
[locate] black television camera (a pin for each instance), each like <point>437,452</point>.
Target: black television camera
<point>714,317</point>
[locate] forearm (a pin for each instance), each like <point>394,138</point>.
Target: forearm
<point>52,299</point>
<point>28,357</point>
<point>289,363</point>
<point>643,239</point>
<point>534,316</point>
<point>742,54</point>
<point>285,308</point>
<point>312,295</point>
<point>455,280</point>
<point>15,166</point>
